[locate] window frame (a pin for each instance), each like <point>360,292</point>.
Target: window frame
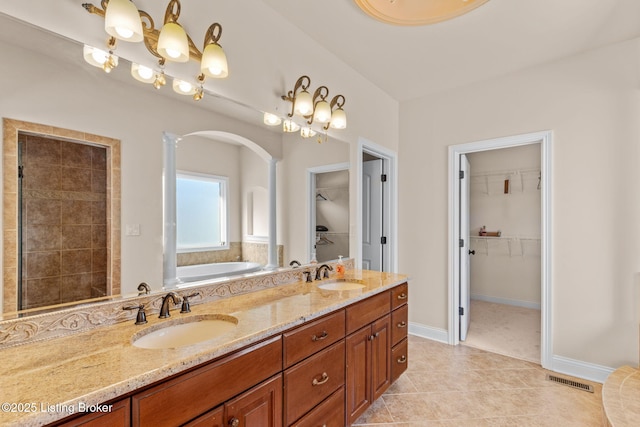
<point>224,210</point>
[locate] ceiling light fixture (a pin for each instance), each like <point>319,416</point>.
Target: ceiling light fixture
<point>316,108</point>
<point>416,12</point>
<point>124,21</point>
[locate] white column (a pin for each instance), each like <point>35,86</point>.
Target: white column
<point>273,245</point>
<point>169,259</point>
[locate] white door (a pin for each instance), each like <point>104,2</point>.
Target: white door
<point>465,292</point>
<point>372,215</point>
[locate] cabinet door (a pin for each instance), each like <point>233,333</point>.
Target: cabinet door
<point>213,418</point>
<point>259,407</point>
<point>380,356</point>
<point>358,373</point>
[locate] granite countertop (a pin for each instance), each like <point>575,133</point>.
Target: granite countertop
<point>46,381</point>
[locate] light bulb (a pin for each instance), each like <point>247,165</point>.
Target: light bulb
<point>173,43</point>
<point>122,21</point>
<point>214,61</point>
<point>304,103</point>
<point>271,119</point>
<point>322,112</point>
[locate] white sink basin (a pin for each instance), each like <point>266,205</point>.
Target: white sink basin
<point>186,331</point>
<point>341,285</point>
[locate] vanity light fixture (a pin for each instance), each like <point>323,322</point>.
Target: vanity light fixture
<point>100,58</point>
<point>316,108</point>
<point>289,125</point>
<point>271,119</point>
<point>124,21</point>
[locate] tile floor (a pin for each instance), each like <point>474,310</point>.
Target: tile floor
<point>505,329</point>
<point>464,386</point>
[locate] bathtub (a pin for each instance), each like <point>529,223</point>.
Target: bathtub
<point>194,273</point>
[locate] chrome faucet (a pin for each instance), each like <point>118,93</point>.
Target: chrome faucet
<point>164,309</point>
<point>326,269</point>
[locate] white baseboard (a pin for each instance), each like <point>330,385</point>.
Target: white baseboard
<point>435,334</point>
<point>577,368</point>
<point>498,300</point>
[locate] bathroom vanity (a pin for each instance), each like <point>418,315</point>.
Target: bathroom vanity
<point>303,354</point>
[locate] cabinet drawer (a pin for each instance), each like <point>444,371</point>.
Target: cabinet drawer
<point>399,359</point>
<point>194,393</point>
<point>329,413</point>
<point>399,324</point>
<point>312,337</point>
<point>399,295</point>
<point>310,382</point>
<point>364,312</point>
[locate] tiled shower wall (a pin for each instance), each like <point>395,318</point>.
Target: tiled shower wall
<point>64,221</point>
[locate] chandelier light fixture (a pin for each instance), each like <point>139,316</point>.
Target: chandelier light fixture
<point>124,21</point>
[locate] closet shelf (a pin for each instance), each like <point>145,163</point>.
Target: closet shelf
<point>495,180</point>
<point>513,243</point>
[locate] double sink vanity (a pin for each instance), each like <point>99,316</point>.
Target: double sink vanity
<point>299,353</point>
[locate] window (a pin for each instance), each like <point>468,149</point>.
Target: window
<point>201,212</point>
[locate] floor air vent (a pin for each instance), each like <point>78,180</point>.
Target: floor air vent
<point>574,384</point>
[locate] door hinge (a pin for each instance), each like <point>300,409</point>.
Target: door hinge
<point>461,175</point>
<point>383,177</point>
<point>383,240</point>
<point>20,171</point>
<point>461,311</point>
<point>461,243</point>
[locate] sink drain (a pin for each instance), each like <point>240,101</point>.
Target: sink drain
<point>570,383</point>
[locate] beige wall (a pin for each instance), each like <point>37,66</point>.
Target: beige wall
<point>592,104</point>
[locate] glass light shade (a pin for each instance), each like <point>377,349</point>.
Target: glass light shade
<point>214,62</point>
<point>271,119</point>
<point>322,113</point>
<point>122,21</point>
<point>142,74</point>
<point>307,132</point>
<point>290,126</point>
<point>183,88</point>
<point>338,119</point>
<point>97,57</point>
<point>304,103</point>
<point>173,44</point>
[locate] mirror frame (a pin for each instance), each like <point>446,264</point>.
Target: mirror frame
<point>11,129</point>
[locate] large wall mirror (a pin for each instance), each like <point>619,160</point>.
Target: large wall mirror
<point>46,81</point>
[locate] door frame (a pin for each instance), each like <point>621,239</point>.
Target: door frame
<point>390,200</point>
<point>544,138</point>
<point>311,200</point>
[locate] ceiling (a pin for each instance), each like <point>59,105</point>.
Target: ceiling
<point>498,37</point>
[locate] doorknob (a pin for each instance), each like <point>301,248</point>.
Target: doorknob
<point>473,252</point>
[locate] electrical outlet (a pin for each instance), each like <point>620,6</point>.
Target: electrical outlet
<point>133,230</point>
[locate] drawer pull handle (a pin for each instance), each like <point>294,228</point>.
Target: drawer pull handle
<point>320,337</point>
<point>402,359</point>
<point>322,380</point>
<point>402,296</point>
<point>402,324</point>
<point>234,422</point>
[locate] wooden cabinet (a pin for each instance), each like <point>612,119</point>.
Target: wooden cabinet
<point>312,337</point>
<point>260,406</point>
<point>376,347</point>
<point>368,366</point>
<point>312,381</point>
<point>326,372</point>
<point>399,333</point>
<point>192,394</point>
<point>329,413</point>
<point>116,414</point>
